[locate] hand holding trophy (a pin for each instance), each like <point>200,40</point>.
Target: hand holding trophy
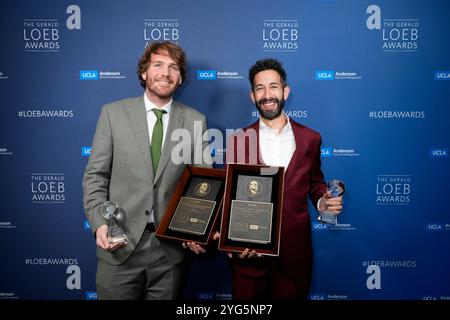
<point>111,212</point>
<point>336,188</point>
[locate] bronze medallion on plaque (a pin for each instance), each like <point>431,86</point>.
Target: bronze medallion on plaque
<point>253,188</point>
<point>202,189</point>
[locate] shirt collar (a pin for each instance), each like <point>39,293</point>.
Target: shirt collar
<point>150,105</point>
<point>287,127</point>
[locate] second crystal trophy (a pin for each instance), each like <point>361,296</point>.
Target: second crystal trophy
<point>111,212</point>
<point>336,189</point>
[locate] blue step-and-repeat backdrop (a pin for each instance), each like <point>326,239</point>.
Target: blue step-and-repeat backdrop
<point>372,76</point>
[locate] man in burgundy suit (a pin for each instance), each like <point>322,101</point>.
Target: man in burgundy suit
<point>280,141</point>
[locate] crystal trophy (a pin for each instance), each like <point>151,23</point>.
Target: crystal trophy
<point>336,189</point>
<point>111,212</point>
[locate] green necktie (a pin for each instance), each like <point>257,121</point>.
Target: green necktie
<point>157,138</point>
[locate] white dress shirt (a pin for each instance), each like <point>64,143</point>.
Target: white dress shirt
<point>276,148</point>
<point>151,117</point>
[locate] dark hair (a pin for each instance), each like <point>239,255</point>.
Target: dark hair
<point>174,51</point>
<point>267,64</point>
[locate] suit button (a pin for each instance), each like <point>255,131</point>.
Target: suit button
<point>147,212</point>
<point>154,186</point>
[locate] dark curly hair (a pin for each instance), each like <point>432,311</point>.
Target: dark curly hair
<point>266,64</point>
<point>174,51</point>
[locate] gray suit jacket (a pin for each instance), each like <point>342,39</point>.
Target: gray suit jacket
<point>120,170</point>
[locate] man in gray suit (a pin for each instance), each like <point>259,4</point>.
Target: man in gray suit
<point>135,163</point>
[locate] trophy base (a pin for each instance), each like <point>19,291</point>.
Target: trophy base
<point>118,239</point>
<point>328,218</point>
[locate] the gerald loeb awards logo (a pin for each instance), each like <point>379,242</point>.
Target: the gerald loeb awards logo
<point>43,34</point>
<point>393,189</point>
<point>397,34</point>
<point>48,188</point>
<point>280,35</point>
<point>161,30</point>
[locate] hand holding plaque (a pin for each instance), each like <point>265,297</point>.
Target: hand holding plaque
<point>111,212</point>
<point>336,188</point>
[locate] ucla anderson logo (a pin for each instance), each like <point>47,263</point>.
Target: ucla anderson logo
<point>91,295</point>
<point>86,225</point>
<point>86,151</point>
<point>326,152</point>
<point>439,152</point>
<point>324,75</point>
<point>206,74</point>
<point>88,75</point>
<point>442,75</point>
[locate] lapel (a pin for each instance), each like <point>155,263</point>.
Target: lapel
<point>259,160</point>
<point>300,148</point>
<point>175,122</point>
<point>139,121</point>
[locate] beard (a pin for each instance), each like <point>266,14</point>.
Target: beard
<point>161,92</point>
<point>270,115</point>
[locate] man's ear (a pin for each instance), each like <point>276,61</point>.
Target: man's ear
<point>252,96</point>
<point>286,92</point>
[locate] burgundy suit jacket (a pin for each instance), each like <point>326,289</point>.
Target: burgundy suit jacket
<point>303,178</point>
